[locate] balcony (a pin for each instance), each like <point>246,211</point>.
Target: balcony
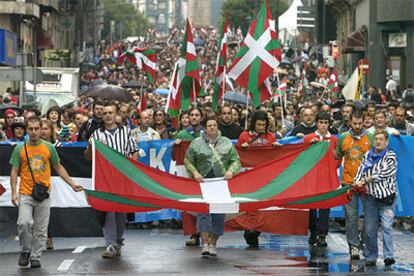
<point>23,8</point>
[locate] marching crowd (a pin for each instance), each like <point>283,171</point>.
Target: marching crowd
<point>363,130</point>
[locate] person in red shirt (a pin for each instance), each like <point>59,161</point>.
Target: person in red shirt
<point>257,135</point>
<point>319,226</point>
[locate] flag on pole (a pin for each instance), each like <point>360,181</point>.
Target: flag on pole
<point>144,59</point>
<point>302,88</point>
<point>186,81</point>
<point>281,89</point>
<point>353,85</point>
<point>258,56</point>
<point>221,66</point>
<point>333,86</point>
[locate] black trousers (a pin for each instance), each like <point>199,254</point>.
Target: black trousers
<point>319,221</point>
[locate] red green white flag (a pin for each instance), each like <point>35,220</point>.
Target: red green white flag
<point>186,82</point>
<point>258,56</point>
<point>300,172</point>
<point>144,59</point>
<point>221,64</point>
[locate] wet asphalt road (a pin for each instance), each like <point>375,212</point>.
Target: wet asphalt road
<point>162,251</point>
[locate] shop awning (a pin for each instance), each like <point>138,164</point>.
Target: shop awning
<point>355,42</point>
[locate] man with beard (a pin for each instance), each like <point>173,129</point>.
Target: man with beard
<point>227,126</point>
<point>257,135</point>
<point>344,124</point>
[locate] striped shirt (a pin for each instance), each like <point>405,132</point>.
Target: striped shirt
<point>385,175</point>
<point>120,139</point>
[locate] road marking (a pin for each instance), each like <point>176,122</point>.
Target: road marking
<point>65,264</point>
<point>79,249</point>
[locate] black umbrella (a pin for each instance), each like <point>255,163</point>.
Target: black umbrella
<point>4,107</point>
<point>110,92</point>
<point>134,84</point>
<point>236,97</point>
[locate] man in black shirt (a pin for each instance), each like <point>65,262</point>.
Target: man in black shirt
<point>307,125</point>
<point>93,123</point>
<point>227,126</point>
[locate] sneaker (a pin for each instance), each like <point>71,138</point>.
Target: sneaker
<point>370,263</point>
<point>49,243</point>
<point>24,259</point>
<point>252,238</point>
<point>213,250</point>
<point>35,263</point>
<point>389,261</point>
<point>321,241</point>
<point>354,251</point>
<point>109,253</point>
<point>313,239</point>
<point>193,241</point>
<point>205,250</point>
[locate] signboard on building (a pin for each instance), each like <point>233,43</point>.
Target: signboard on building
<point>8,47</point>
<point>58,55</point>
<point>397,40</point>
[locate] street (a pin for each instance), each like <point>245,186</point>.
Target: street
<point>161,251</point>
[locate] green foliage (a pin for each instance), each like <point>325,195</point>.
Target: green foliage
<point>243,12</point>
<point>128,21</point>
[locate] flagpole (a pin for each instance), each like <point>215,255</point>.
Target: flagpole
<point>171,84</point>
<point>195,94</point>
<point>224,86</point>
<point>247,108</point>
<point>280,98</point>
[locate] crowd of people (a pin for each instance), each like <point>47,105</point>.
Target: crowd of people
<point>363,127</point>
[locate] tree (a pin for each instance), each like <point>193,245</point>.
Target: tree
<point>128,21</point>
<point>242,12</point>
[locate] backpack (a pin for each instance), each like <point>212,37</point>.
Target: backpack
<point>409,96</point>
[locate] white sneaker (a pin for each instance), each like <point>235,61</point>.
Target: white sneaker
<point>205,250</point>
<point>213,251</point>
<point>354,253</point>
<point>109,253</point>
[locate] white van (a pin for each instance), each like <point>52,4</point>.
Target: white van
<point>60,86</point>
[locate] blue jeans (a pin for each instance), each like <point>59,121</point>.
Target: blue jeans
<point>351,220</point>
<point>377,212</point>
<point>211,223</point>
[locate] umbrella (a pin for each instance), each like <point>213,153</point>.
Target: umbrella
<point>317,84</point>
<point>134,84</point>
<point>161,91</point>
<point>198,42</point>
<point>4,107</point>
<point>110,92</point>
<point>235,97</point>
<point>57,100</point>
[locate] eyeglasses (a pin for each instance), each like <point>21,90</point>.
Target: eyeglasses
<point>226,113</point>
<point>324,122</point>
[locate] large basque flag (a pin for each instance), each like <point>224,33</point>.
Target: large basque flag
<point>144,59</point>
<point>301,172</point>
<point>258,56</point>
<point>186,81</point>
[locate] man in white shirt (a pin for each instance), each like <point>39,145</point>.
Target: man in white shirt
<point>144,132</point>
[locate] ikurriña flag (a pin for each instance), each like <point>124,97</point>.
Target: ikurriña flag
<point>186,81</point>
<point>221,64</point>
<point>259,55</point>
<point>301,172</point>
<point>145,59</point>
